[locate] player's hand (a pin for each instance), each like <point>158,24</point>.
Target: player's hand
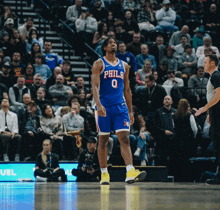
<point>200,111</point>
<point>101,111</point>
<point>131,116</point>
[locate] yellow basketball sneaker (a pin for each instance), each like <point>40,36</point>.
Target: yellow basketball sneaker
<point>105,178</point>
<point>135,176</point>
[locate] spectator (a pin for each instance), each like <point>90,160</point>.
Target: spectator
<point>177,36</point>
<point>117,9</point>
<point>172,62</point>
<point>163,122</point>
<point>162,72</point>
<point>5,77</point>
<point>130,25</point>
<point>29,74</point>
<point>166,18</point>
<point>42,68</point>
<point>172,81</point>
<point>98,12</point>
<point>145,56</point>
<point>188,61</point>
<point>120,33</point>
<point>16,93</point>
<point>158,50</point>
<point>26,27</point>
<point>5,44</point>
<point>47,165</point>
<point>207,40</point>
<point>31,131</point>
<point>198,37</point>
<point>53,127</point>
<point>88,168</point>
<point>134,47</point>
<point>110,20</point>
<point>52,80</point>
<point>86,26</point>
<point>41,99</point>
<point>9,131</point>
<point>52,59</point>
<point>180,48</point>
<point>8,14</point>
<point>33,37</point>
<point>74,124</point>
<point>207,51</point>
<point>141,75</point>
<point>211,19</point>
<point>17,67</point>
<point>81,85</point>
<point>30,57</point>
<point>185,131</point>
<point>18,44</point>
<point>146,18</point>
<point>99,37</point>
<point>130,59</point>
<point>60,92</point>
<point>8,27</point>
<point>37,83</point>
<point>152,97</point>
<point>84,103</point>
<point>68,73</point>
<point>73,13</point>
<point>197,87</point>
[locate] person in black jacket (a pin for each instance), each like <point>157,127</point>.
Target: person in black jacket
<point>47,165</point>
<point>88,168</point>
<point>151,99</point>
<point>163,121</point>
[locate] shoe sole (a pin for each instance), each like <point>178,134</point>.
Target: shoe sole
<point>139,178</point>
<point>104,183</point>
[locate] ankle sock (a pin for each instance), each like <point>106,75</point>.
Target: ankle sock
<point>104,170</point>
<point>129,167</point>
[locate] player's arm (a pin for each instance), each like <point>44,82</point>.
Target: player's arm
<point>127,93</point>
<point>96,70</point>
<point>211,103</point>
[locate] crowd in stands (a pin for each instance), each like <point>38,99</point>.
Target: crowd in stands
<point>165,43</point>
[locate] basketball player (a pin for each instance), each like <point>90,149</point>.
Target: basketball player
<point>112,95</point>
<point>213,105</point>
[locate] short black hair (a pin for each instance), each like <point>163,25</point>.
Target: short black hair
<point>105,43</point>
<point>214,58</point>
<point>150,76</point>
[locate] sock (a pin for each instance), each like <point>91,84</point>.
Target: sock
<point>108,157</point>
<point>129,167</point>
<point>104,170</point>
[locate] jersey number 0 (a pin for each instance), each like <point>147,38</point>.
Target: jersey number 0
<point>114,83</point>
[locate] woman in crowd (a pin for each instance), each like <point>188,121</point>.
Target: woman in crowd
<point>99,37</point>
<point>53,126</point>
<point>30,57</point>
<point>185,131</point>
<point>47,165</point>
<point>83,101</point>
<point>110,21</point>
<point>41,98</point>
<point>33,37</point>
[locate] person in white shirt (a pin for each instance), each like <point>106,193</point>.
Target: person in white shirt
<point>9,130</point>
<point>207,41</point>
<point>172,81</point>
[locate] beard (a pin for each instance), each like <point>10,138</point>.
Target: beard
<point>59,85</point>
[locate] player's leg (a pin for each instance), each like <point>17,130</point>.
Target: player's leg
<point>121,125</point>
<point>104,129</point>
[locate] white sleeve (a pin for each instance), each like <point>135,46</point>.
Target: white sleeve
<point>193,125</point>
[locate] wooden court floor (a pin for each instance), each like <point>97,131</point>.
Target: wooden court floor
<point>120,196</point>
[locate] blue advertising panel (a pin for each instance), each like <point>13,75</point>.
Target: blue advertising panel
<point>14,171</point>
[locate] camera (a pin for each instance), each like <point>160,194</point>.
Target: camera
<point>89,162</point>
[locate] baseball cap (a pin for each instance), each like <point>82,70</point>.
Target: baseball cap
<point>170,48</point>
<point>6,64</point>
<point>32,103</point>
<point>166,2</point>
<point>9,21</point>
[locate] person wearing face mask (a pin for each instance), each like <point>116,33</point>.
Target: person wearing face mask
<point>60,92</point>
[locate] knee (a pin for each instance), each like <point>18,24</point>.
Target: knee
<point>125,140</point>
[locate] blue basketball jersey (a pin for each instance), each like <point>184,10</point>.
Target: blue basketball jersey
<point>112,83</point>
